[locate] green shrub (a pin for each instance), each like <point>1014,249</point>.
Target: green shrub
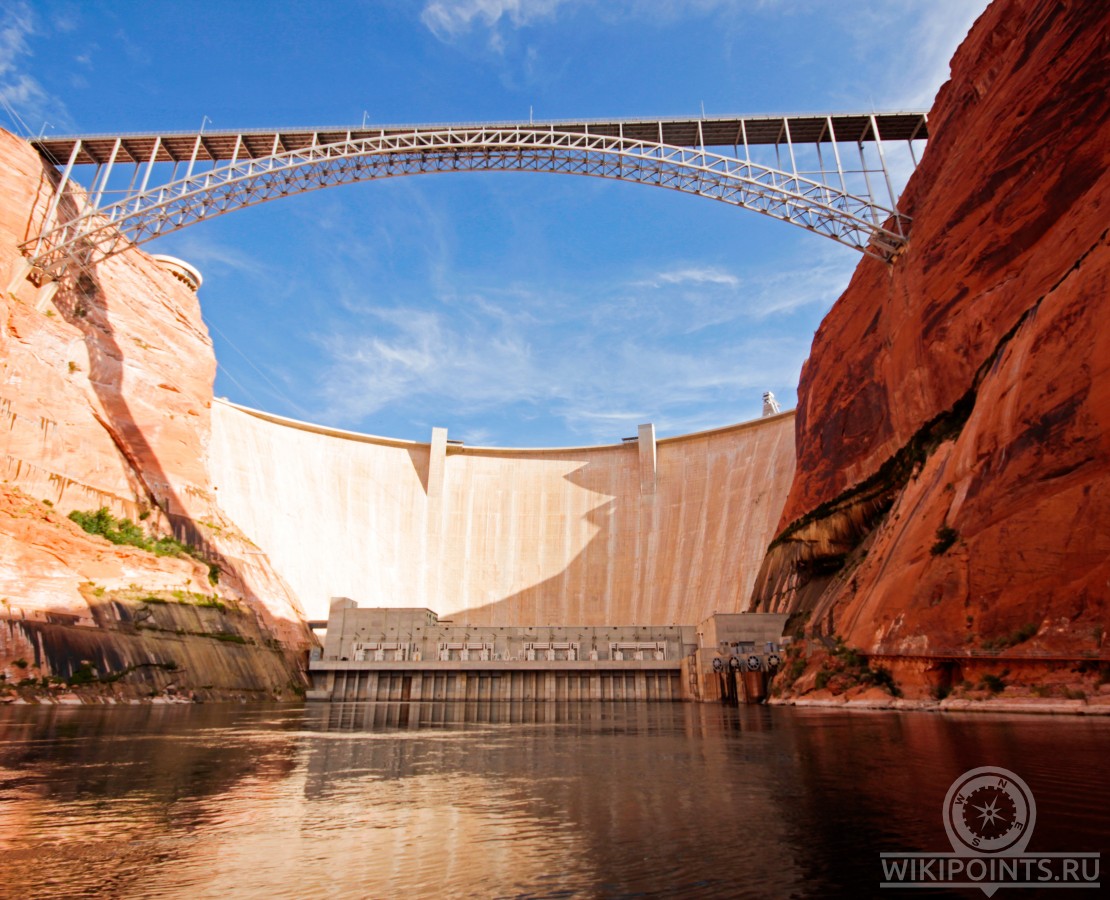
<point>124,531</point>
<point>796,668</point>
<point>100,522</point>
<point>1018,636</point>
<point>82,675</point>
<point>946,537</point>
<point>20,663</point>
<point>851,657</point>
<point>852,670</point>
<point>881,677</point>
<point>992,683</point>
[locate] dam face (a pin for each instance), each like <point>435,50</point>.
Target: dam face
<point>640,533</point>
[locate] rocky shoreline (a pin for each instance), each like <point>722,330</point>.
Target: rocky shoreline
<point>1052,706</point>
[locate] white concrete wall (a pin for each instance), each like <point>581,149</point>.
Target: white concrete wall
<point>508,537</point>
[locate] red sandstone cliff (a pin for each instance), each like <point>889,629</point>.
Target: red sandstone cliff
<point>105,390</point>
<point>953,430</point>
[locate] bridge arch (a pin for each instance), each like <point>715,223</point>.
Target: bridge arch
<point>820,205</point>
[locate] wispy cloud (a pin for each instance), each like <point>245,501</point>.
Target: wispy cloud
<point>25,102</point>
<point>893,78</point>
<point>704,275</point>
<point>449,19</point>
<point>639,352</point>
<point>66,21</point>
<point>406,355</point>
<point>942,25</point>
<point>209,254</point>
<point>689,299</point>
<point>933,28</point>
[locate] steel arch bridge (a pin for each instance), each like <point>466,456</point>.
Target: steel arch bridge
<point>228,170</point>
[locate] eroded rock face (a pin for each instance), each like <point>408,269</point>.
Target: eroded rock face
<point>953,476</point>
<point>105,391</point>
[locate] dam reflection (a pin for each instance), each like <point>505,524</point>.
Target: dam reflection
<point>506,799</point>
<point>610,782</point>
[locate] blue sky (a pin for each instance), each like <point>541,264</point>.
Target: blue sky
<point>514,309</point>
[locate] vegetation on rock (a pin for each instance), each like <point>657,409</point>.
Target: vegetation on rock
<point>124,531</point>
<point>845,668</point>
<point>1015,637</point>
<point>946,537</point>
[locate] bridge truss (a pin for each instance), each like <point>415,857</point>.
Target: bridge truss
<point>799,169</point>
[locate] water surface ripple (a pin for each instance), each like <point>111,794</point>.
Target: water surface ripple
<point>507,800</point>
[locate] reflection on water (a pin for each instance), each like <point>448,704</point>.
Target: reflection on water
<point>499,799</point>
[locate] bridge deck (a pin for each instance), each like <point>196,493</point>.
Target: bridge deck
<point>718,131</point>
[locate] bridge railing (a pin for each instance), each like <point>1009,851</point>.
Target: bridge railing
<point>852,164</point>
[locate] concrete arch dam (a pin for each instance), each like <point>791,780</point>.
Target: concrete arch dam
<point>644,532</point>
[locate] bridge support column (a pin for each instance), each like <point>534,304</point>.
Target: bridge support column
<point>19,272</point>
<point>45,295</point>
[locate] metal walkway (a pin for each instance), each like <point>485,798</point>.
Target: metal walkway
<point>800,169</point>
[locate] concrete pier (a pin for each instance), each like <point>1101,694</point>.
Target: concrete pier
<point>506,681</point>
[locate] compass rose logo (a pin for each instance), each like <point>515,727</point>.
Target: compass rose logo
<point>989,816</point>
<point>989,810</point>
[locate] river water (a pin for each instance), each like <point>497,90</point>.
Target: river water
<point>509,800</point>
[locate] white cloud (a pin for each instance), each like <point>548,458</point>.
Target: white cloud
<point>208,253</point>
<point>410,354</point>
<point>448,19</point>
<point>66,21</point>
<point>480,437</point>
<point>893,77</point>
<point>705,275</point>
<point>940,30</point>
<point>25,102</point>
<point>689,299</point>
<point>932,28</point>
<point>600,367</point>
<point>679,390</point>
<point>15,29</point>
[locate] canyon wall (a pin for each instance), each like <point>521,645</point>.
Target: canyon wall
<point>640,533</point>
<point>952,490</point>
<point>105,393</point>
